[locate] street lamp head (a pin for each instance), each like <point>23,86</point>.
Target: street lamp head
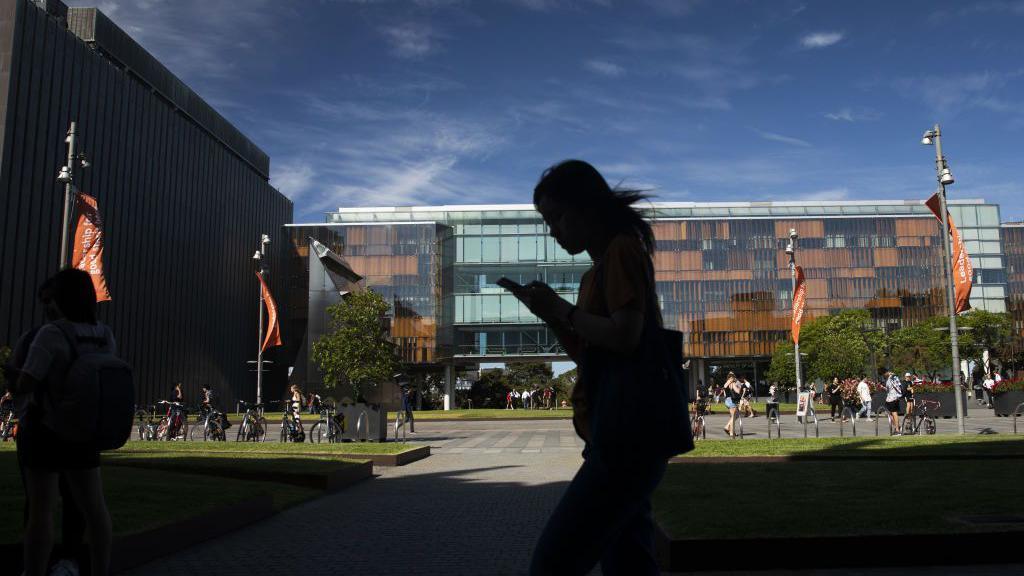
<point>789,249</point>
<point>64,176</point>
<point>265,239</point>
<point>926,139</point>
<point>257,255</point>
<point>946,177</point>
<point>792,234</point>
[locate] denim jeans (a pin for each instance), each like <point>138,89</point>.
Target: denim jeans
<point>604,516</point>
<point>865,409</point>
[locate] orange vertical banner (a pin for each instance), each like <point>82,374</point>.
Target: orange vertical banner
<point>799,301</point>
<point>273,337</point>
<point>963,270</point>
<point>87,253</point>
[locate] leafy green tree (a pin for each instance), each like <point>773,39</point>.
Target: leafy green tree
<point>563,385</point>
<point>532,375</point>
<point>990,331</point>
<point>783,368</point>
<point>356,351</point>
<point>838,345</point>
<point>490,389</point>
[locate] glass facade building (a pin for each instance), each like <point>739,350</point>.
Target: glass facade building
<point>1013,247</point>
<point>721,270</point>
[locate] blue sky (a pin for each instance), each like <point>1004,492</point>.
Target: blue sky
<point>383,102</point>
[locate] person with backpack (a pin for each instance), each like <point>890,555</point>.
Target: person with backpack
<point>61,433</point>
<point>614,333</point>
<point>893,393</point>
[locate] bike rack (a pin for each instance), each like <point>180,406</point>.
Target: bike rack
<point>739,422</point>
<point>816,431</point>
<point>773,417</point>
<point>852,419</point>
<point>878,418</point>
<point>400,423</point>
<point>1016,412</point>
<point>363,423</point>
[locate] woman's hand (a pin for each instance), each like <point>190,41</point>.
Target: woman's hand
<point>543,301</point>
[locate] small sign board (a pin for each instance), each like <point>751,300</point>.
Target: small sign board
<point>802,402</point>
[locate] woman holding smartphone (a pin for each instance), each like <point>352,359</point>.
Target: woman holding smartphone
<point>604,515</point>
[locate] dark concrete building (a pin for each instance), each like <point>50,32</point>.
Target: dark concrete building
<point>184,196</point>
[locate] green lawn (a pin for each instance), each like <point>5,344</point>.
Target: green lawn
<point>842,486</point>
<point>141,499</point>
<point>939,446</point>
<point>834,498</point>
<point>325,449</point>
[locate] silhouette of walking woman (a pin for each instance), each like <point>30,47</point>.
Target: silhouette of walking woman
<point>611,333</point>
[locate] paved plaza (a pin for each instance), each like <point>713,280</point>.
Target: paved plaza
<point>475,506</point>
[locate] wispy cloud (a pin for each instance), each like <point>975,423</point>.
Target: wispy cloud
<point>605,68</point>
<point>821,39</point>
<point>774,137</point>
<point>412,40</point>
<point>848,114</point>
<point>953,93</point>
<point>827,194</point>
<point>293,178</point>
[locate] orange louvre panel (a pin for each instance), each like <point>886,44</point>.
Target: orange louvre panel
<point>887,257</point>
<point>805,228</point>
<point>916,227</point>
<point>690,260</point>
<point>741,274</point>
<point>667,230</point>
<point>355,236</point>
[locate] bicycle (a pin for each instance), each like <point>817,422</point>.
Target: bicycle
<point>146,422</point>
<point>291,426</point>
<point>8,424</point>
<point>253,426</point>
<point>330,426</point>
<point>174,424</point>
<point>697,424</point>
<point>919,421</point>
<point>210,426</point>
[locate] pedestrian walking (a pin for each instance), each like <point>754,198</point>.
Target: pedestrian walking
<point>605,514</point>
<point>42,453</point>
<point>864,392</point>
<point>733,394</point>
<point>508,401</point>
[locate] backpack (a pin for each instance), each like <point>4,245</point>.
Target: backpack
<point>95,403</point>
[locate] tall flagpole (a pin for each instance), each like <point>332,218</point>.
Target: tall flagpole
<point>66,176</point>
<point>264,240</point>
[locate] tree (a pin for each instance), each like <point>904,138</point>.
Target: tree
<point>564,383</point>
<point>783,368</point>
<point>490,389</point>
<point>837,345</point>
<point>357,350</point>
<point>921,348</point>
<point>989,331</point>
<point>531,375</point>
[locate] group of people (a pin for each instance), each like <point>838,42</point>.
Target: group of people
<point>542,398</point>
<point>853,393</point>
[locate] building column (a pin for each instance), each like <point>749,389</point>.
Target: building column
<point>449,386</point>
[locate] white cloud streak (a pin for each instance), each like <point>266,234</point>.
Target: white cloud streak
<point>605,68</point>
<point>411,40</point>
<point>821,39</point>
<point>775,137</point>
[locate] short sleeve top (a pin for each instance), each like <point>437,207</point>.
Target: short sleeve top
<point>626,272</point>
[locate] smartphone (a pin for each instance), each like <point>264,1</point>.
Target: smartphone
<point>509,284</point>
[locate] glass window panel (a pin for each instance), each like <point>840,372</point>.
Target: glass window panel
<point>509,228</point>
<point>491,229</point>
<point>491,250</point>
<point>491,307</point>
<point>509,308</point>
<point>976,262</point>
<point>458,308</point>
<point>990,262</point>
<point>995,292</point>
<point>995,305</point>
<point>509,248</point>
<point>970,216</point>
<point>472,229</point>
<point>970,233</point>
<point>973,246</point>
<point>459,254</point>
<point>472,249</point>
<point>989,233</point>
<point>988,216</point>
<point>991,248</point>
<point>527,248</point>
<point>471,305</point>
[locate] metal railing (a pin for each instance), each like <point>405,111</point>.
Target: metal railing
<point>363,422</point>
<point>400,423</point>
<point>843,419</point>
<point>773,418</point>
<point>817,432</point>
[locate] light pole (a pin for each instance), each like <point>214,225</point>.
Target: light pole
<point>67,178</point>
<point>945,177</point>
<point>258,257</point>
<point>791,250</point>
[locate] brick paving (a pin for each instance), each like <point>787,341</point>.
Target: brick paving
<point>475,506</point>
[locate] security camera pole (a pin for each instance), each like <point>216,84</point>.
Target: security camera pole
<point>791,250</point>
<point>258,257</point>
<point>934,136</point>
<point>66,176</point>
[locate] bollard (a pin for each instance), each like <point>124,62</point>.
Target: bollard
<point>740,422</point>
<point>363,422</point>
<point>773,417</point>
<point>400,423</point>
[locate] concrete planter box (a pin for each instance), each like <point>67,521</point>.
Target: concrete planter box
<point>374,426</point>
<point>1004,403</point>
<point>947,401</point>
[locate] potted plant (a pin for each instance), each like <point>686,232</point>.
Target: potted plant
<point>941,392</point>
<point>1007,395</point>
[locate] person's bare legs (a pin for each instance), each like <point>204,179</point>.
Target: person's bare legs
<point>87,489</point>
<point>732,419</point>
<point>41,492</point>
